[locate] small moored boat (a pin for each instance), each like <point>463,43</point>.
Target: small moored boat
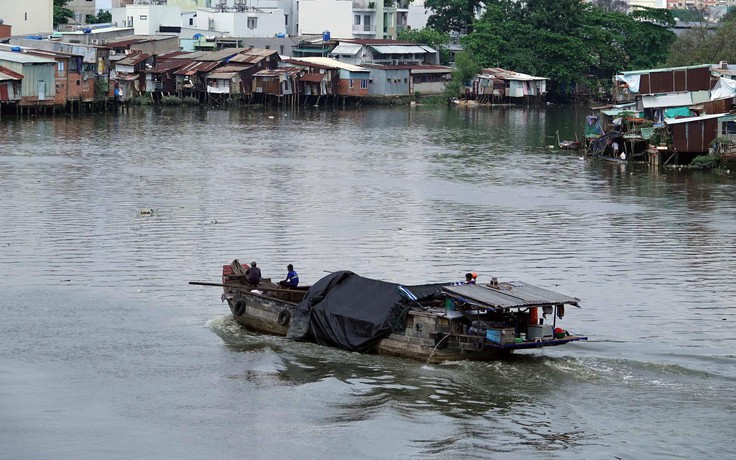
<point>430,322</point>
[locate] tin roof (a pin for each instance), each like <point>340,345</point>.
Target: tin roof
<point>513,294</point>
<point>127,76</point>
<point>134,59</point>
<point>7,74</point>
<point>221,55</point>
<point>313,77</point>
<point>194,67</point>
<point>346,48</point>
<point>167,66</point>
<point>24,58</point>
<point>279,71</point>
<point>400,49</point>
<point>258,52</point>
<point>174,55</point>
<point>232,68</point>
<point>503,74</point>
<point>331,63</point>
<point>677,121</point>
<point>376,41</point>
<point>222,75</point>
<point>250,58</point>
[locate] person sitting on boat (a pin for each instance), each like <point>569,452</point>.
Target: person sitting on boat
<point>253,274</point>
<point>469,278</point>
<point>292,278</point>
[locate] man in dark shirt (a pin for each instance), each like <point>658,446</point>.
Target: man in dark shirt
<point>292,278</point>
<point>253,274</point>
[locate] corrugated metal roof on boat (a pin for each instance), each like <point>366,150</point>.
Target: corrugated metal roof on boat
<point>511,294</point>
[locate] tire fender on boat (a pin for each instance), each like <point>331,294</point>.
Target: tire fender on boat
<point>239,308</point>
<point>284,317</point>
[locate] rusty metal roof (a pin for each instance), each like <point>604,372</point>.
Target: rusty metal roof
<point>232,68</point>
<point>167,66</point>
<point>313,77</point>
<point>221,55</point>
<point>291,71</point>
<point>513,294</point>
<point>503,74</point>
<point>127,76</point>
<point>134,59</point>
<point>194,67</point>
<point>252,56</point>
<point>222,75</point>
<point>7,74</point>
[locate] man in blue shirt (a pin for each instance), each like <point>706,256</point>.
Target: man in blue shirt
<point>292,278</point>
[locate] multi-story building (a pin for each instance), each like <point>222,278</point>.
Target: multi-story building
<point>28,16</point>
<point>369,19</point>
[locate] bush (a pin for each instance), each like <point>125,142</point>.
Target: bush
<point>170,100</point>
<point>706,162</point>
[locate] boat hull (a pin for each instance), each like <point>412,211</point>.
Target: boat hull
<point>424,338</point>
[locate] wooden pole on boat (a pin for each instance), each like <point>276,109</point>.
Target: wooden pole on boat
<point>240,286</point>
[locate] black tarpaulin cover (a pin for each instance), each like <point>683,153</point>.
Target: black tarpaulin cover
<point>348,311</point>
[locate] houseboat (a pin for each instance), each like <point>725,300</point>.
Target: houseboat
<point>430,322</point>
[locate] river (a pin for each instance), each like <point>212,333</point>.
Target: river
<point>106,351</point>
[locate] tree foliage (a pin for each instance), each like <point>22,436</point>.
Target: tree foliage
<point>466,67</point>
<point>430,37</point>
<point>102,17</point>
<point>62,14</point>
<point>452,15</point>
<point>567,41</point>
<point>704,45</point>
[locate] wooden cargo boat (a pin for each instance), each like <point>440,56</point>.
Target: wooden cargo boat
<point>432,322</point>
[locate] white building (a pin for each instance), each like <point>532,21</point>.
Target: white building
<point>147,19</point>
<point>353,18</point>
<point>252,22</point>
<point>28,16</point>
<point>317,16</point>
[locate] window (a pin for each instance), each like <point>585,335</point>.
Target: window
<point>388,81</point>
<point>143,17</point>
<point>286,19</point>
<point>350,83</point>
<point>281,49</point>
<point>253,23</point>
<point>363,84</point>
<point>357,20</point>
<point>60,67</point>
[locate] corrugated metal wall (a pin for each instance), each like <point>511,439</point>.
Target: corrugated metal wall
<point>670,81</point>
<point>696,136</point>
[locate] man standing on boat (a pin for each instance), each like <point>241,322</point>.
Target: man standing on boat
<point>253,274</point>
<point>292,278</point>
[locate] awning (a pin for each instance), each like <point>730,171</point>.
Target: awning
<point>667,100</point>
<point>128,77</point>
<point>346,49</point>
<point>313,77</point>
<point>677,121</point>
<point>399,49</point>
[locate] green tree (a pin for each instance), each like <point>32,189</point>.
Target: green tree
<point>102,17</point>
<point>452,15</point>
<point>430,37</point>
<point>567,41</point>
<point>61,13</point>
<point>702,45</point>
<point>466,68</point>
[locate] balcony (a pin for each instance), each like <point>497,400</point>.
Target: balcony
<point>364,28</point>
<point>364,5</point>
